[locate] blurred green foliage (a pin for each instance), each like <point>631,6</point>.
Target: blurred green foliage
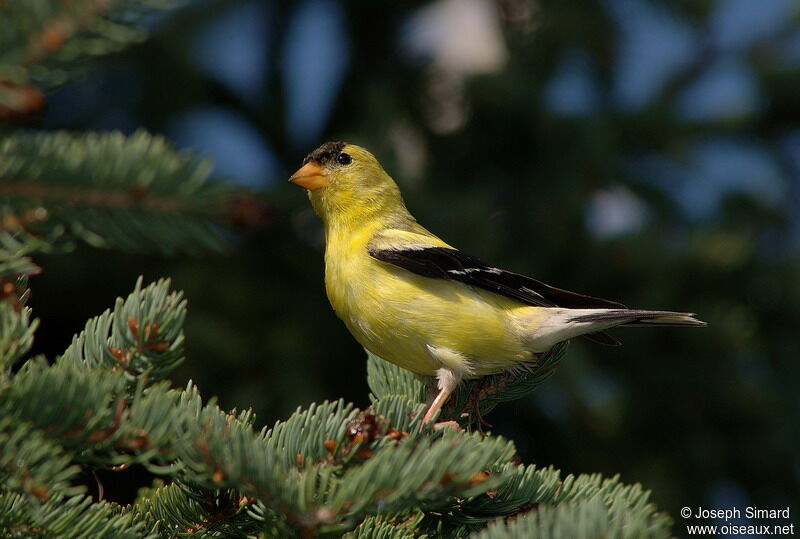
<point>701,417</point>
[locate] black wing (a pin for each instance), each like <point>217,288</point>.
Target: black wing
<point>452,264</point>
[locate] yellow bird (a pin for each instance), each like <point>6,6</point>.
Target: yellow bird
<point>412,299</point>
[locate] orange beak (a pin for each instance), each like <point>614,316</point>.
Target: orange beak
<point>311,176</point>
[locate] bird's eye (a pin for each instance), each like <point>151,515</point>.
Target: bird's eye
<point>344,158</point>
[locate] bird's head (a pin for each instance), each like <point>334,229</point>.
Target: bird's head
<point>345,181</point>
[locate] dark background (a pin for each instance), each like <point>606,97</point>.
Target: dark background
<point>641,151</point>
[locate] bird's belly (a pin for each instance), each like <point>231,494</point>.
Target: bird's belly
<point>399,316</point>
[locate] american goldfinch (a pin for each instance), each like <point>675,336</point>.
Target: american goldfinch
<point>412,299</point>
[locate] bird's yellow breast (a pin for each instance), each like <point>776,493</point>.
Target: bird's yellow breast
<point>401,316</point>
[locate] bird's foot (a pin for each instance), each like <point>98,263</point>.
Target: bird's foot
<point>475,408</point>
<point>447,425</point>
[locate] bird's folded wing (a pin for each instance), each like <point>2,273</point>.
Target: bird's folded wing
<point>430,257</point>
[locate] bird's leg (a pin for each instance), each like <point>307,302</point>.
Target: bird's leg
<point>475,402</point>
<point>447,380</point>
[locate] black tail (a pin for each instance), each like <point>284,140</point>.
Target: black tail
<point>633,317</point>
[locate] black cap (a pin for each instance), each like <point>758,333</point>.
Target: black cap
<point>325,153</point>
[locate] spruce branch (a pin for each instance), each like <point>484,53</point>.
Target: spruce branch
<point>50,42</point>
<point>403,414</point>
<point>135,193</point>
<point>319,422</point>
<point>528,492</point>
<point>524,488</point>
<point>16,330</point>
<point>583,519</point>
<point>386,379</point>
<point>179,509</point>
<point>453,465</point>
<point>351,461</point>
<point>348,464</point>
<point>75,516</point>
<point>327,470</point>
<point>143,335</point>
<point>32,465</point>
<point>15,261</point>
<point>400,527</point>
<point>81,413</point>
<point>107,408</point>
<point>519,490</point>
